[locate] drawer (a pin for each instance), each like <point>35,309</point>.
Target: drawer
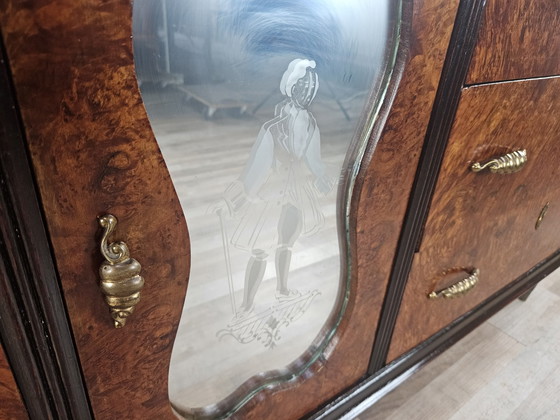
<point>486,220</point>
<point>517,40</point>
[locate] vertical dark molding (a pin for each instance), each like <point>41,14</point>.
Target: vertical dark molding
<point>455,68</point>
<point>34,328</point>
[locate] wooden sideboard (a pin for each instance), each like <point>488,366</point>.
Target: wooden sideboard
<point>472,82</point>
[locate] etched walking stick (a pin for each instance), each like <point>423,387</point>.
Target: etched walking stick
<point>228,261</point>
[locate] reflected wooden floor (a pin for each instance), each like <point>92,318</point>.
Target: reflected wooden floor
<point>508,368</point>
<point>204,157</point>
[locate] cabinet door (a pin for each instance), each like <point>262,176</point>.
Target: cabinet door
<point>94,153</point>
<point>500,224</point>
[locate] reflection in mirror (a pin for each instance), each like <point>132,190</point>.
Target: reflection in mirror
<point>255,105</point>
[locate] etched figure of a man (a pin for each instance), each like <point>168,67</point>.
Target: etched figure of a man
<point>280,185</point>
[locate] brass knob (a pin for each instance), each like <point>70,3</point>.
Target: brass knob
<point>458,289</point>
<point>507,164</point>
<point>120,275</point>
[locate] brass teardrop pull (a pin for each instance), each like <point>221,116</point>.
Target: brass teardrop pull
<point>507,164</point>
<point>120,275</point>
<point>458,289</point>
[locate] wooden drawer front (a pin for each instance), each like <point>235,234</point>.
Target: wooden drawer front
<point>487,220</point>
<point>517,40</point>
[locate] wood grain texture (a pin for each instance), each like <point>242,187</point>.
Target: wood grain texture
<point>11,406</point>
<point>93,153</point>
<point>72,65</point>
<point>517,40</point>
<point>486,220</point>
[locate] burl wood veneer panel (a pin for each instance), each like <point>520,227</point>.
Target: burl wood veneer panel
<point>518,39</point>
<point>93,152</point>
<point>486,220</point>
<point>11,406</point>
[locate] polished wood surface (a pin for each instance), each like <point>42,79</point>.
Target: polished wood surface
<point>11,406</point>
<point>508,368</point>
<point>93,153</point>
<point>72,66</point>
<point>486,220</point>
<point>517,40</point>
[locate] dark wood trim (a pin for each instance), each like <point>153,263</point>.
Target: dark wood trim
<point>34,327</point>
<point>375,386</point>
<point>463,40</point>
<point>20,352</point>
<point>11,406</point>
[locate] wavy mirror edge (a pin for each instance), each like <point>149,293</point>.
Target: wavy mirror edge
<point>359,154</point>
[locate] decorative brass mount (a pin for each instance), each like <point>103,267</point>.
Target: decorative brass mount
<point>458,289</point>
<point>507,164</point>
<point>120,275</point>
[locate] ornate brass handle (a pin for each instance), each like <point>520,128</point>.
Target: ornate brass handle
<point>458,289</point>
<point>507,164</point>
<point>120,275</point>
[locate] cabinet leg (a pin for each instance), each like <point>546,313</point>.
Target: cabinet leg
<point>526,295</point>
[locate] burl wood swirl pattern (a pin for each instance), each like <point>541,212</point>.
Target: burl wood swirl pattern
<point>517,40</point>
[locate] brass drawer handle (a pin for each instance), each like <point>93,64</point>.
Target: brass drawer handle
<point>120,275</point>
<point>458,289</point>
<point>507,164</point>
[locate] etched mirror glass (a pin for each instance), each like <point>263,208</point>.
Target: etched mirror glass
<point>261,109</point>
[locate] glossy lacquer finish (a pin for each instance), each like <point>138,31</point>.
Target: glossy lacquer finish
<point>93,153</point>
<point>256,106</point>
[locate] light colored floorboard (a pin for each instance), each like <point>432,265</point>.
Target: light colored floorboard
<point>543,403</point>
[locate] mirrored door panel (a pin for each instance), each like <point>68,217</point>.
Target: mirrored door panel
<point>262,110</point>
